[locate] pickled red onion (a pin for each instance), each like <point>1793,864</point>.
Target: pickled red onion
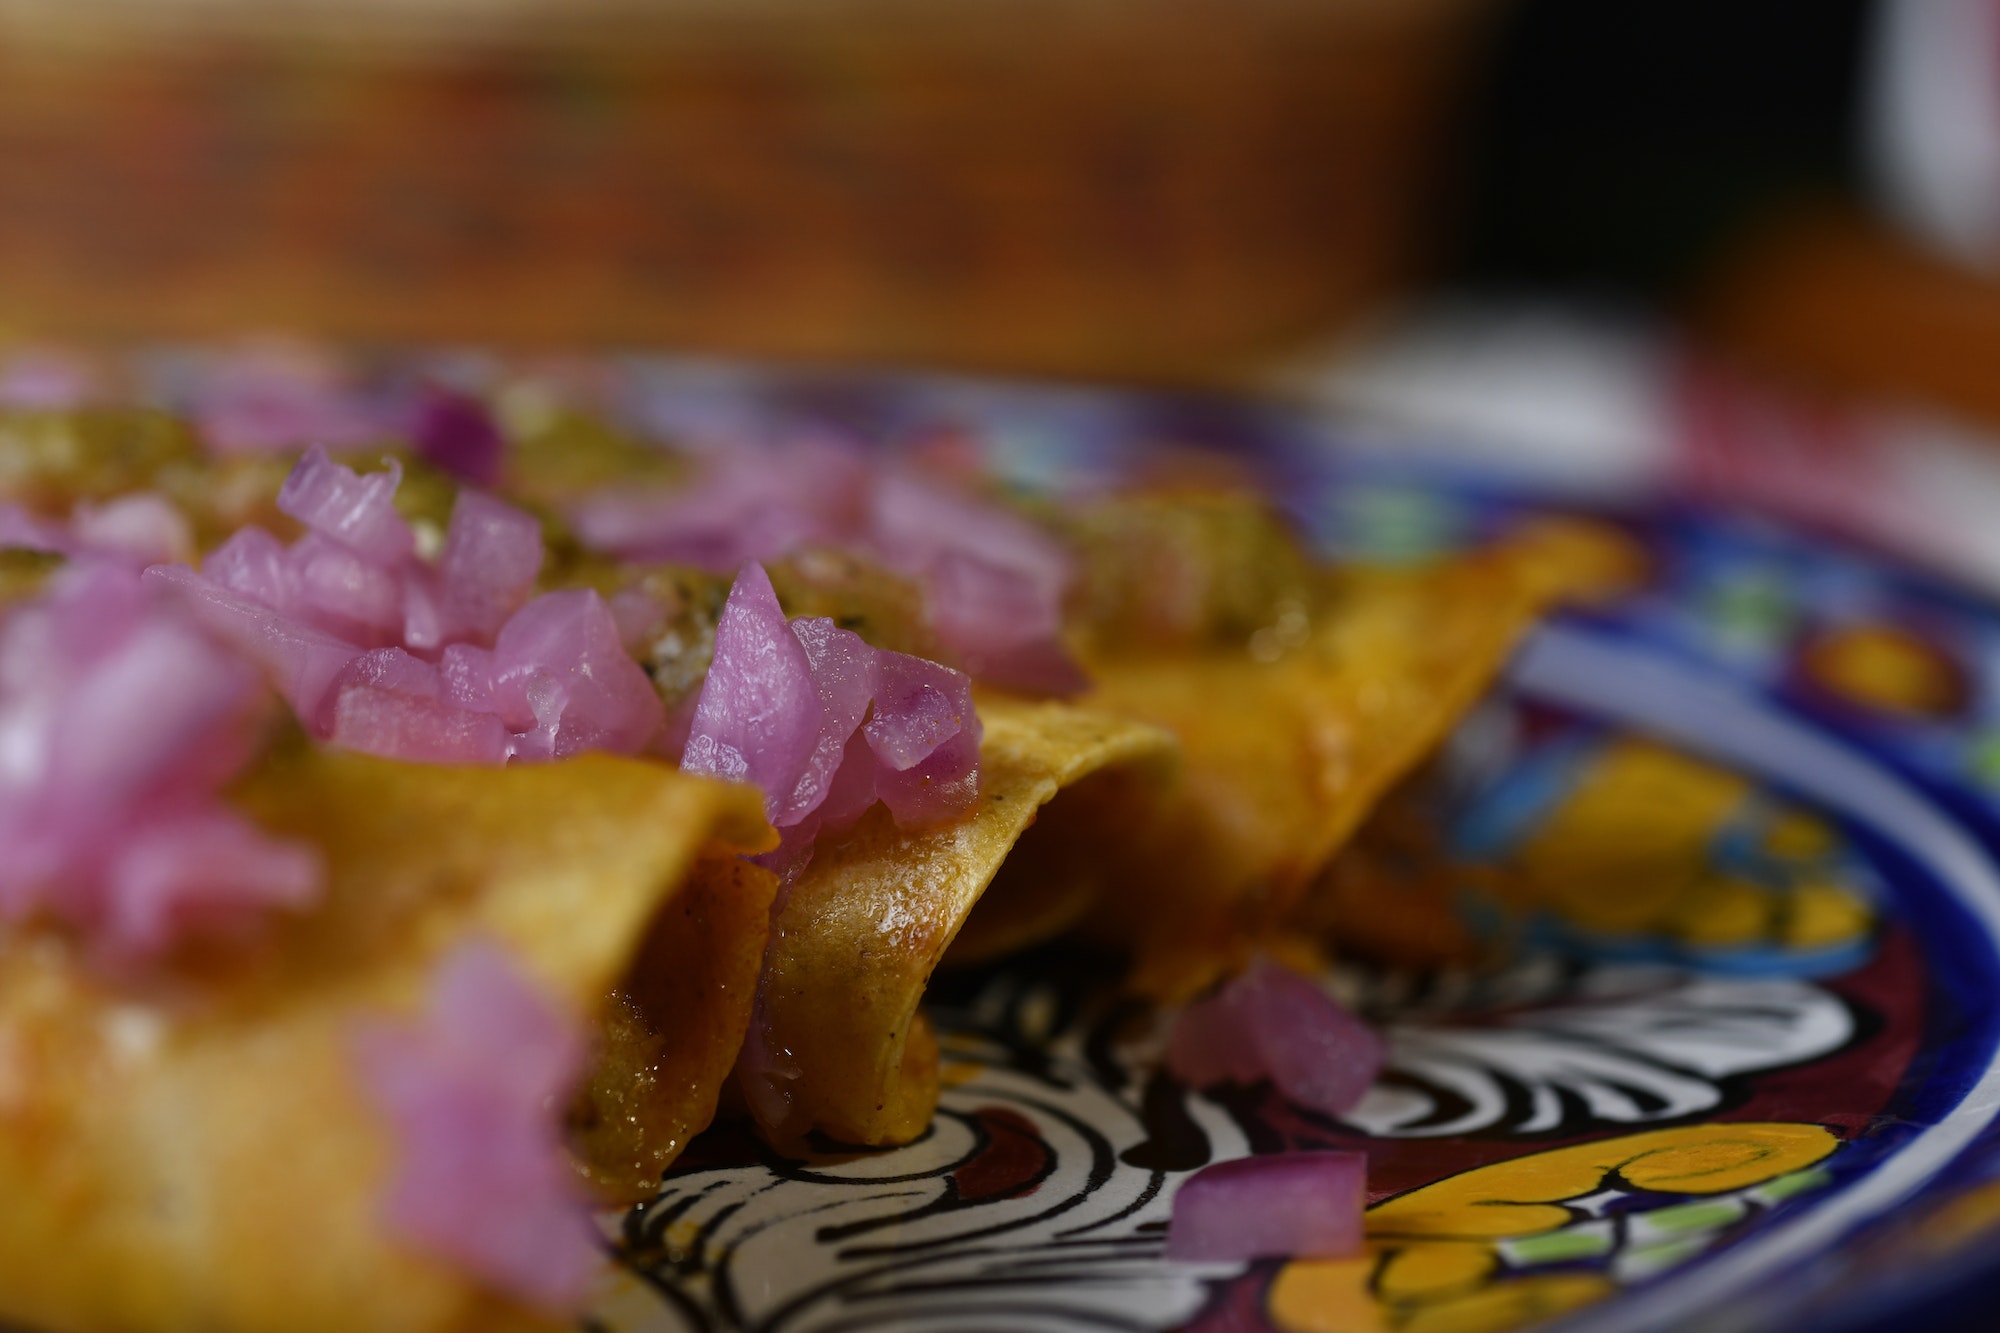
<point>564,684</point>
<point>458,434</point>
<point>299,660</point>
<point>757,719</point>
<point>335,587</point>
<point>251,562</point>
<point>492,553</point>
<point>388,702</point>
<point>20,528</point>
<point>472,1092</point>
<point>1272,1023</point>
<point>919,706</point>
<point>825,725</point>
<point>925,735</point>
<point>119,720</point>
<point>356,509</point>
<point>993,582</point>
<point>279,396</point>
<point>140,527</point>
<point>380,651</point>
<point>1305,1205</point>
<point>844,670</point>
<point>748,504</point>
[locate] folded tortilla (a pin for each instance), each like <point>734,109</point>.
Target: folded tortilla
<point>198,1155</point>
<point>1284,756</point>
<point>854,945</point>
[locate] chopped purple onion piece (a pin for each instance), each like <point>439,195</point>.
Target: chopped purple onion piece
<point>1293,1205</point>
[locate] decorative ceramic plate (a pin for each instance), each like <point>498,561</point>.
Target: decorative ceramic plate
<point>1739,1070</point>
<point>1724,1054</point>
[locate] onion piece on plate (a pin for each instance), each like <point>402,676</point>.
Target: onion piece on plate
<point>1294,1205</point>
<point>1272,1023</point>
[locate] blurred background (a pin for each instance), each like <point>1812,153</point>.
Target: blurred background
<point>1438,209</point>
<point>1105,188</point>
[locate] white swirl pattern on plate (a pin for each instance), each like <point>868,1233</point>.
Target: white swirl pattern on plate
<point>853,1242</point>
<point>858,1241</point>
<point>1626,1045</point>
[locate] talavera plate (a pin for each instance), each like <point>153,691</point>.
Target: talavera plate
<point>1762,1093</point>
<point>1759,1090</point>
<point>1741,1069</point>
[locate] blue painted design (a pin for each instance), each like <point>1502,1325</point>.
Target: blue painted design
<point>1495,819</point>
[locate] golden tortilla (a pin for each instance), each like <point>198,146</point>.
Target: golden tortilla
<point>1284,756</point>
<point>200,1157</point>
<point>855,944</point>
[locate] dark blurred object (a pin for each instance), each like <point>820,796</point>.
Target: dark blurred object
<point>1131,189</point>
<point>1815,184</point>
<point>1901,301</point>
<point>1613,148</point>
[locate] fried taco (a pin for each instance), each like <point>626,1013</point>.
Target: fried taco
<point>1294,694</point>
<point>616,786</point>
<point>203,1146</point>
<point>841,1046</point>
<point>1314,733</point>
<point>301,1037</point>
<point>899,798</point>
<point>1298,694</point>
